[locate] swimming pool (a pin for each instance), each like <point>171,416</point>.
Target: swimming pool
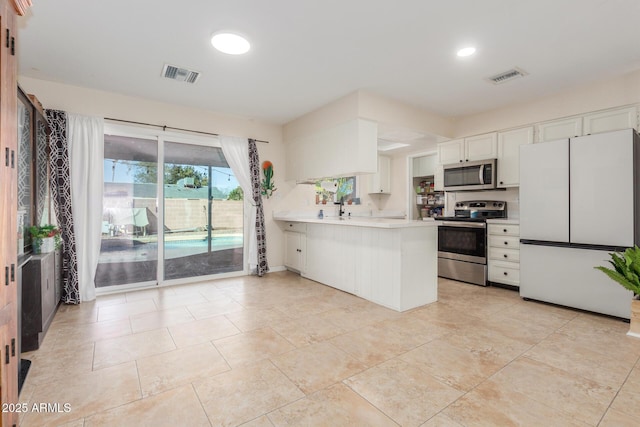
<point>216,242</point>
<point>134,250</point>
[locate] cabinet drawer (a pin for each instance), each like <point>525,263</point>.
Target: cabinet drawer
<point>504,229</point>
<point>506,255</point>
<point>504,273</point>
<point>298,227</point>
<point>506,242</point>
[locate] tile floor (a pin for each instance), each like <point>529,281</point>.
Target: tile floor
<point>285,351</point>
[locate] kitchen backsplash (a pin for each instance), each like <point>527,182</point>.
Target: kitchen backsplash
<point>510,195</point>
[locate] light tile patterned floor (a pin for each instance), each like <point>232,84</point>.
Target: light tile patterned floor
<point>285,351</point>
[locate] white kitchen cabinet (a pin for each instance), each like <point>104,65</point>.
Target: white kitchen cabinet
<point>509,143</point>
<point>479,147</point>
<point>504,253</point>
<point>346,149</point>
<point>424,165</point>
<point>380,182</point>
<point>295,250</point>
<point>438,178</point>
<point>451,152</point>
<point>330,255</point>
<point>605,121</point>
<point>393,267</point>
<point>559,129</point>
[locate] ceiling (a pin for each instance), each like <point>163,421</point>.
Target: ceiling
<point>306,54</point>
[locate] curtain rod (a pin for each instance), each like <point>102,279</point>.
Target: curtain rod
<point>164,128</point>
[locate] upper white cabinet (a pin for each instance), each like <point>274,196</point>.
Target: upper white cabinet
<point>601,121</point>
<point>438,178</point>
<point>479,147</point>
<point>605,121</point>
<point>451,152</point>
<point>424,165</point>
<point>509,143</point>
<point>380,182</point>
<point>346,149</point>
<point>559,129</point>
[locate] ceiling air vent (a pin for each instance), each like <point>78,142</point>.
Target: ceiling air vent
<point>180,74</point>
<point>514,73</point>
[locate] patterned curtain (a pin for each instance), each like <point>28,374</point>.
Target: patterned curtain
<point>61,191</point>
<point>254,166</point>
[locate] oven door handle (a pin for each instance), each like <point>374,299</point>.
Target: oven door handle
<point>481,174</point>
<point>464,224</point>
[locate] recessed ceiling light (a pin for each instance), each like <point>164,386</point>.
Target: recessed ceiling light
<point>230,43</point>
<point>467,51</point>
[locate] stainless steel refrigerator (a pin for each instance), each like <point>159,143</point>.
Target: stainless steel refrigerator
<point>579,201</point>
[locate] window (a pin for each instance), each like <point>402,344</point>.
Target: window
<point>333,190</point>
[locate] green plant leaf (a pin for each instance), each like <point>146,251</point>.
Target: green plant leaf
<point>621,279</point>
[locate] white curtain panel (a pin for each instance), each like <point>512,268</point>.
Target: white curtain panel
<point>236,152</point>
<point>86,152</point>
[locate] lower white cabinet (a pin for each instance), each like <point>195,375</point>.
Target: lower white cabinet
<point>396,268</point>
<point>330,253</point>
<point>504,253</point>
<point>295,246</point>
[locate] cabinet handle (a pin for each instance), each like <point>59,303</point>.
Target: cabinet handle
<point>505,273</point>
<point>298,250</point>
<point>290,225</point>
<point>505,255</point>
<point>505,230</point>
<point>501,182</point>
<point>6,354</point>
<point>13,272</point>
<point>506,243</point>
<point>6,276</point>
<point>460,160</point>
<point>13,347</point>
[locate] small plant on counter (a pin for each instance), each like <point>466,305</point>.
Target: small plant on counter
<point>38,233</point>
<point>626,269</point>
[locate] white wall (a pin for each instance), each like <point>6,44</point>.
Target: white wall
<point>112,105</point>
<point>620,91</point>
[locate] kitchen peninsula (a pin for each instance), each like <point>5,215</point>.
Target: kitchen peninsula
<point>391,262</point>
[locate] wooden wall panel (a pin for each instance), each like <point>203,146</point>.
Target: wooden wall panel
<point>8,210</point>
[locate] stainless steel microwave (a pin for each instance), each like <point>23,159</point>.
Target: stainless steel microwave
<point>478,175</point>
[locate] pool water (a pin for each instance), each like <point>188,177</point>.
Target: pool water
<point>136,251</point>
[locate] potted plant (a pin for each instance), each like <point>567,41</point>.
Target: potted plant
<point>45,238</point>
<point>626,271</point>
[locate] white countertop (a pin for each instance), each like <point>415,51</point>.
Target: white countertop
<point>361,222</point>
<point>503,221</point>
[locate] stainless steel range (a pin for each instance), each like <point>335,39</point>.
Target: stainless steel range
<point>462,240</point>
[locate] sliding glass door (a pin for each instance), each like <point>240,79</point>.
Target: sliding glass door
<point>129,249</point>
<point>184,222</point>
<point>203,226</point>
